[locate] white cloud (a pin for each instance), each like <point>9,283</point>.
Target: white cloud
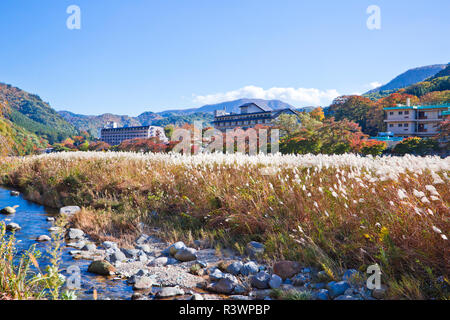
<point>299,96</point>
<point>374,85</point>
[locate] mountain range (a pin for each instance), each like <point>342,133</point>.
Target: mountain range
<point>28,123</point>
<point>408,78</point>
<point>92,123</point>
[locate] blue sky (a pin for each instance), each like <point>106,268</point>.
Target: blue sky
<point>153,55</point>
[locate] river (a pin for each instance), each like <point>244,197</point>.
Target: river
<point>32,218</point>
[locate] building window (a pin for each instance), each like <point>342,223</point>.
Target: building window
<point>400,113</point>
<point>400,125</point>
<point>406,112</point>
<point>391,113</point>
<point>406,125</point>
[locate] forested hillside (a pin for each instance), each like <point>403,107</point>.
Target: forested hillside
<point>28,111</point>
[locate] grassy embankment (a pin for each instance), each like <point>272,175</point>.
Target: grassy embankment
<point>330,211</point>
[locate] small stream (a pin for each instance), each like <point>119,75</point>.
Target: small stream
<point>32,218</point>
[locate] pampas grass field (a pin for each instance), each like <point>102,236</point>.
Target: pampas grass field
<point>334,212</point>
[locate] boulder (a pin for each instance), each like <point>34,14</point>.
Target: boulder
<point>275,281</point>
<point>170,292</point>
<point>117,256</point>
<point>186,254</point>
<point>159,262</point>
<point>43,238</point>
<point>224,286</point>
<point>286,269</point>
<point>8,210</point>
<point>131,253</point>
<point>13,227</point>
<point>143,283</point>
<point>249,268</point>
<point>101,267</point>
<point>235,267</point>
<point>255,248</point>
<point>216,275</point>
<point>75,234</point>
<point>50,219</point>
<point>14,193</point>
<point>89,247</point>
<point>337,288</point>
<point>109,245</point>
<point>260,280</point>
<point>174,248</point>
<point>69,210</point>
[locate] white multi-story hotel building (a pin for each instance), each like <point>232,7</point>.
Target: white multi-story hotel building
<point>113,135</point>
<point>420,121</point>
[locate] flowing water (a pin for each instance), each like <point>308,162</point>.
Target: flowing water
<point>32,218</point>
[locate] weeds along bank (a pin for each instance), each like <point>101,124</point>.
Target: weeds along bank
<point>334,211</point>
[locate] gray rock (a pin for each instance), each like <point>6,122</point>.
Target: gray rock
<point>50,219</point>
<point>43,238</point>
<point>77,245</point>
<point>224,286</point>
<point>15,193</point>
<point>235,267</point>
<point>13,227</point>
<point>143,283</point>
<point>109,245</point>
<point>159,262</point>
<point>174,248</point>
<point>142,257</point>
<point>75,234</point>
<point>275,281</point>
<point>239,289</point>
<point>8,210</point>
<point>249,268</point>
<point>144,247</point>
<point>117,256</point>
<point>216,275</point>
<point>131,253</point>
<point>69,210</point>
<point>170,292</point>
<point>337,288</point>
<point>322,294</point>
<point>186,254</point>
<point>260,280</point>
<point>89,247</point>
<point>255,248</point>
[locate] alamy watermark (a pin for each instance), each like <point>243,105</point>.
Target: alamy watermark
<point>250,141</point>
<point>73,22</point>
<point>374,20</point>
<point>374,280</point>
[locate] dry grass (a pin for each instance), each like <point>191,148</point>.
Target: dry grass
<point>332,211</point>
